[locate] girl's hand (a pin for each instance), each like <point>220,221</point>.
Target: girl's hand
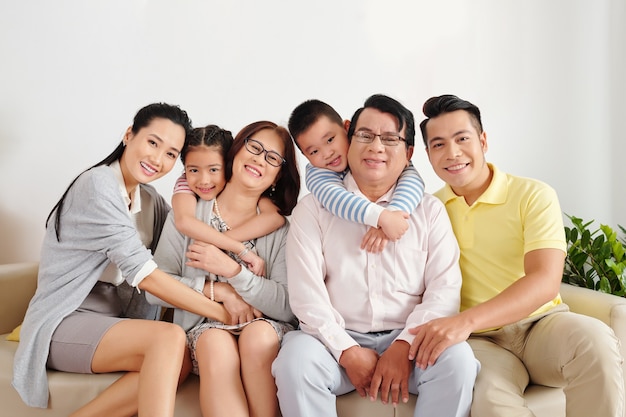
<point>255,263</point>
<point>210,258</point>
<point>240,311</point>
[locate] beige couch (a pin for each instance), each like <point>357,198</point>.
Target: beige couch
<point>70,391</point>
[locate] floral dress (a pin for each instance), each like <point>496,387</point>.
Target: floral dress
<point>194,334</point>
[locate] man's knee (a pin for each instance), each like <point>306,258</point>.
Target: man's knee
<point>459,363</point>
<point>293,355</point>
<point>300,356</point>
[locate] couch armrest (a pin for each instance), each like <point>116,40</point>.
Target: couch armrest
<point>611,309</point>
<point>18,282</point>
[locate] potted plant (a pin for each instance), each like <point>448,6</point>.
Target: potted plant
<point>596,257</point>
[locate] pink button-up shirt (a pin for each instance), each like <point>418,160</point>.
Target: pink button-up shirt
<point>334,285</point>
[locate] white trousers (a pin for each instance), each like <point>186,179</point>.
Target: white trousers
<point>309,378</point>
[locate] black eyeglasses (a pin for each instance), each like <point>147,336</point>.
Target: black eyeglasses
<point>256,148</point>
<point>387,139</point>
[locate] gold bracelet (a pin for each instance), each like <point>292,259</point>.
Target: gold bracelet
<point>243,252</point>
<point>211,292</point>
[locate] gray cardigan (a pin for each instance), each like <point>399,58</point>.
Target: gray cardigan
<point>96,230</point>
<point>268,295</point>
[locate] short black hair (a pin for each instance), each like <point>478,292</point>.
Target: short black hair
<point>447,103</point>
<point>307,113</point>
<point>392,106</point>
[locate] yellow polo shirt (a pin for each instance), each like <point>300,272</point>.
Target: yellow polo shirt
<point>514,216</point>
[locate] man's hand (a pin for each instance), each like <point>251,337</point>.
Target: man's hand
<point>392,374</point>
<point>393,223</point>
<point>432,338</point>
<point>359,364</point>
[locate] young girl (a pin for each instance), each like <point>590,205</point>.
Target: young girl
<point>233,359</point>
<point>97,237</point>
<point>204,178</point>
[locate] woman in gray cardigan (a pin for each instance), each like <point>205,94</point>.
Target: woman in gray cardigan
<point>233,359</point>
<point>97,237</point>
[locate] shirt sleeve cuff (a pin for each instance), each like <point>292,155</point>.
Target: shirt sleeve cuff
<point>335,338</point>
<point>145,270</point>
<point>242,279</point>
<point>338,347</point>
<point>406,336</point>
<point>372,214</point>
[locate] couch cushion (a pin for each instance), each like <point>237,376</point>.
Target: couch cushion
<point>545,401</point>
<point>352,405</point>
<point>68,391</point>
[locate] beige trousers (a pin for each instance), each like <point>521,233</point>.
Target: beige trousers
<point>556,349</point>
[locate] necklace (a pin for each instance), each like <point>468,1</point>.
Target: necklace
<point>219,215</point>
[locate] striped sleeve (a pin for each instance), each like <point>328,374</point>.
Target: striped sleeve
<point>409,191</point>
<point>182,186</point>
<point>327,186</point>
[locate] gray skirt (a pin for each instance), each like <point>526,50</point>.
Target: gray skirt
<point>75,340</point>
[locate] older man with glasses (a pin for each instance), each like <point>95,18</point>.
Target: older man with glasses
<point>356,307</point>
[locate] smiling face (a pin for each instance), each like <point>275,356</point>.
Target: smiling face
<point>204,168</point>
<point>374,166</point>
<point>253,171</point>
<point>151,152</point>
<point>325,145</point>
<point>457,153</point>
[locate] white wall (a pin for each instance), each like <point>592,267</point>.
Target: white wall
<point>548,77</point>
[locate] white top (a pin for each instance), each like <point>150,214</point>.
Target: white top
<point>335,285</point>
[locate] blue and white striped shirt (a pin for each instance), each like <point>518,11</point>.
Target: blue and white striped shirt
<point>327,186</point>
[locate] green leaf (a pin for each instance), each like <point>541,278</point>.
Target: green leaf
<point>585,238</point>
<point>605,286</point>
<point>598,242</point>
<point>596,257</point>
<point>618,251</point>
<point>611,235</point>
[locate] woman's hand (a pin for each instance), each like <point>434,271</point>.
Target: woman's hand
<point>239,310</point>
<point>255,263</point>
<point>212,259</point>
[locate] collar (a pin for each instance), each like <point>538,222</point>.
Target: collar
<point>352,187</point>
<point>135,203</point>
<point>494,194</point>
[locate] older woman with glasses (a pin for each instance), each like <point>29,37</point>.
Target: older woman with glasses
<point>234,359</point>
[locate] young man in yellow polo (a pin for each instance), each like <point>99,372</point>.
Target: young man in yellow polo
<point>512,241</point>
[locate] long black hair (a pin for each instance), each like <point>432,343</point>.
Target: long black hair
<point>142,119</point>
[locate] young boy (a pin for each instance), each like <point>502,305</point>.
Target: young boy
<point>321,135</point>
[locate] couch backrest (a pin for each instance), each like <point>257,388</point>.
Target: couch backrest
<point>17,285</point>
